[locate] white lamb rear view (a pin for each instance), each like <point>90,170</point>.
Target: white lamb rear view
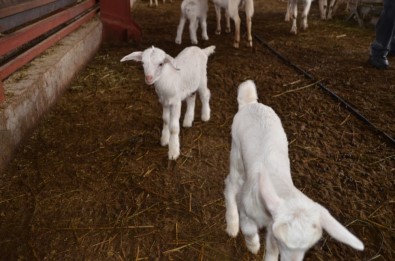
<point>176,79</point>
<point>259,191</point>
<point>196,12</point>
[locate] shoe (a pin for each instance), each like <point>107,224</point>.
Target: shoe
<point>378,56</point>
<point>379,62</point>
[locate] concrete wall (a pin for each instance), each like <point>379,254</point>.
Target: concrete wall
<point>31,91</point>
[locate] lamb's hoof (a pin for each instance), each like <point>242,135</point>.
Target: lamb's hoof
<point>178,41</point>
<point>232,229</point>
<point>164,140</point>
<point>187,124</point>
<point>249,43</point>
<point>194,42</point>
<point>294,31</point>
<point>217,32</point>
<point>227,30</point>
<point>174,155</point>
<point>236,44</point>
<point>254,247</point>
<point>206,117</point>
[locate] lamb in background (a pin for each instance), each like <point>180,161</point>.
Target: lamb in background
<point>176,79</point>
<point>156,2</point>
<point>232,10</point>
<point>259,191</point>
<point>328,12</point>
<point>292,14</point>
<point>195,11</point>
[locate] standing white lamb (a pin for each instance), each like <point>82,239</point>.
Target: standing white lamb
<point>195,11</point>
<point>325,11</point>
<point>176,79</point>
<point>259,191</point>
<point>232,10</point>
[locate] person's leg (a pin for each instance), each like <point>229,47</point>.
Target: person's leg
<point>385,28</point>
<point>392,46</point>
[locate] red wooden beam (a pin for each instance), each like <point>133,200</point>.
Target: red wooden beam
<point>14,9</point>
<point>14,40</point>
<point>118,24</point>
<point>29,55</point>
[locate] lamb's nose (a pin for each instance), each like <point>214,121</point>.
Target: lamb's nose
<point>148,78</point>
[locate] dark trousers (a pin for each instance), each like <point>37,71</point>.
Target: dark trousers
<point>385,30</point>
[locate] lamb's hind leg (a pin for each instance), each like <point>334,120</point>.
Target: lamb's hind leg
<point>190,112</point>
<point>204,94</point>
<point>218,18</point>
<point>232,187</point>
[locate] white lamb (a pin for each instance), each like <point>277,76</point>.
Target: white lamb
<point>232,10</point>
<point>176,79</point>
<point>195,11</point>
<point>292,13</point>
<point>259,191</point>
<point>326,13</point>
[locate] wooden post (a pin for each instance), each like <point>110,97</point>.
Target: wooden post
<point>118,24</point>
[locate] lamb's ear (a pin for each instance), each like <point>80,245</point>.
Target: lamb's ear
<point>171,61</point>
<point>269,194</point>
<point>280,231</point>
<point>135,56</point>
<point>338,231</point>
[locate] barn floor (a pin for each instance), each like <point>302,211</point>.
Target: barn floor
<point>93,183</point>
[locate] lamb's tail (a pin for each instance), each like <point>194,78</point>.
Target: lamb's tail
<point>209,50</point>
<point>247,93</point>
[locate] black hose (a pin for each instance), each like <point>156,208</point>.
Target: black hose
<point>346,104</point>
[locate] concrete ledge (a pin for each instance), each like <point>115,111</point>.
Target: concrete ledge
<point>31,91</point>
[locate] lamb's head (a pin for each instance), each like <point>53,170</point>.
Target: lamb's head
<point>153,60</point>
<point>296,227</point>
<point>298,222</point>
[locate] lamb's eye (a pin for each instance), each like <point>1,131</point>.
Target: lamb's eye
<point>161,64</point>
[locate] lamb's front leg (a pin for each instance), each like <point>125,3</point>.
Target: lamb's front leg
<point>250,231</point>
<point>174,142</point>
<point>164,140</point>
<point>236,42</point>
<point>190,113</point>
<point>305,13</point>
<point>272,251</point>
<point>203,24</point>
<point>294,14</point>
<point>218,18</point>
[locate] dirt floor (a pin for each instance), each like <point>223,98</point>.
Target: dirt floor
<point>93,183</point>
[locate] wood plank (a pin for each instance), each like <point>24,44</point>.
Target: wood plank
<point>33,52</point>
<point>12,41</point>
<point>14,9</point>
